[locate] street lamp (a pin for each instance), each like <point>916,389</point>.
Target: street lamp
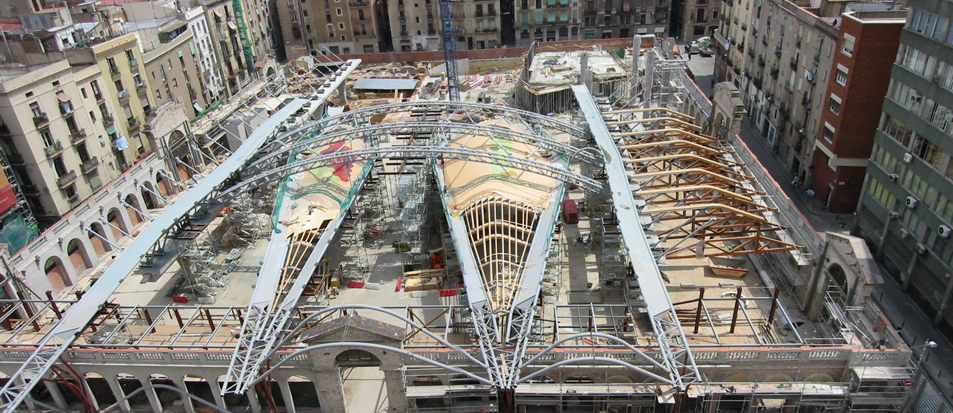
<point>916,377</point>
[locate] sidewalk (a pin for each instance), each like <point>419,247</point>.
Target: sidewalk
<point>917,328</point>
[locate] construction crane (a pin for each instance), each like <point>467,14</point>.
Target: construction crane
<point>449,52</point>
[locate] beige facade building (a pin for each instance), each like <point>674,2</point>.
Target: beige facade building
<point>415,24</point>
<point>603,19</point>
<point>127,88</point>
<point>732,39</point>
<point>174,75</point>
<point>784,76</point>
<point>54,136</point>
<point>341,26</point>
<point>692,19</point>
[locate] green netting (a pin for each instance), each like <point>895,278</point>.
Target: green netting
<point>17,233</point>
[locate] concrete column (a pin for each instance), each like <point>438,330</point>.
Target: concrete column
<point>118,393</point>
<point>186,400</point>
<point>396,394</point>
<point>151,394</point>
<point>216,392</point>
<point>56,394</point>
<point>330,391</point>
<point>286,395</point>
<point>253,400</point>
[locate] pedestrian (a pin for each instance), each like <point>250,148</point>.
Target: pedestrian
<point>574,242</point>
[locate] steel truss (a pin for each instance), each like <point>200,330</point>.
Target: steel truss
<point>362,117</point>
<point>313,138</point>
<point>410,151</point>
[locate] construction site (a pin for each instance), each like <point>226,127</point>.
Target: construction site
<point>578,233</point>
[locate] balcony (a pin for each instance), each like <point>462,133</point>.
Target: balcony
<point>114,71</point>
<point>141,86</point>
<point>133,123</point>
<point>66,180</point>
<point>133,63</point>
<point>15,159</point>
<point>358,33</point>
<point>107,120</point>
<point>359,3</point>
<point>123,95</point>
<point>41,120</point>
<point>66,110</point>
<point>78,136</point>
<point>99,97</point>
<point>55,149</point>
<point>90,165</point>
<point>794,63</point>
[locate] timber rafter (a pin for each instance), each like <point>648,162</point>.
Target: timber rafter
<point>693,189</point>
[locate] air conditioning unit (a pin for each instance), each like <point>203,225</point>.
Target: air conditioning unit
<point>893,177</point>
<point>911,202</point>
<point>904,233</point>
<point>916,98</point>
<point>944,231</point>
<point>908,157</point>
<point>937,79</point>
<point>921,249</point>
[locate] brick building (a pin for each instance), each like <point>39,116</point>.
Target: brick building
<point>861,71</point>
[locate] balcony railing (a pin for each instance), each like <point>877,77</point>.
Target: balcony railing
<point>107,120</point>
<point>66,180</point>
<point>359,3</point>
<point>41,119</point>
<point>90,164</point>
<point>133,63</point>
<point>114,71</point>
<point>78,136</point>
<point>133,122</point>
<point>360,33</point>
<point>53,149</point>
<point>140,86</point>
<point>123,94</point>
<point>99,97</point>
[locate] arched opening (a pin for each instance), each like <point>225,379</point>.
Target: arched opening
<point>128,383</point>
<point>118,227</point>
<point>305,394</point>
<point>199,387</point>
<point>819,378</point>
<point>134,217</point>
<point>563,33</point>
<point>100,389</point>
<point>541,379</point>
<point>357,358</point>
<point>184,173</point>
<point>166,397</point>
<point>358,368</point>
<point>737,378</point>
<point>273,393</point>
<point>56,274</point>
<point>427,381</point>
<point>839,287</point>
<point>100,247</point>
<point>579,380</point>
<point>232,399</point>
<point>147,191</point>
<point>619,379</point>
<point>164,185</point>
<point>270,73</point>
<point>78,256</point>
<point>778,378</point>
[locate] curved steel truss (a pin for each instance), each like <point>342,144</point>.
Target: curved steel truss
<point>411,151</point>
<point>363,116</point>
<point>372,133</point>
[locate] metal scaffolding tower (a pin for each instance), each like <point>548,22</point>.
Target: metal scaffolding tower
<point>449,52</point>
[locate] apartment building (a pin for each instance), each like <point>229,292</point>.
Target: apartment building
<point>547,20</point>
<point>866,47</point>
<point>52,135</point>
<point>229,50</point>
<point>213,86</point>
<point>127,89</point>
<point>905,209</point>
<point>604,19</point>
<point>316,27</point>
<point>415,24</point>
<point>174,74</point>
<point>692,19</point>
<point>731,39</point>
<point>258,20</point>
<point>785,78</point>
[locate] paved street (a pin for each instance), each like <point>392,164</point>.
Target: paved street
<point>916,326</point>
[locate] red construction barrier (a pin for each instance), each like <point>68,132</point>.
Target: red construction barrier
<point>355,284</point>
<point>180,298</point>
<point>400,282</point>
<point>448,293</point>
